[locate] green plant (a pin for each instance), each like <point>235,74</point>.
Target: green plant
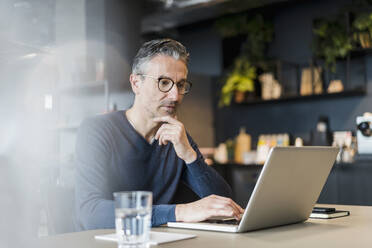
<point>259,33</point>
<point>331,41</point>
<point>241,78</point>
<point>363,22</point>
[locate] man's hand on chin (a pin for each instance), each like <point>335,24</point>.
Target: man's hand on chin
<point>208,207</point>
<point>173,131</point>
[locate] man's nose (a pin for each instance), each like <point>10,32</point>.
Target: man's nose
<point>173,93</point>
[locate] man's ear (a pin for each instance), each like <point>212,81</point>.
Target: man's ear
<point>135,83</point>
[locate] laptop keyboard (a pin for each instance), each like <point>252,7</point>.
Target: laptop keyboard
<point>229,222</point>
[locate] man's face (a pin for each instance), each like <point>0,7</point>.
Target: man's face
<point>155,102</point>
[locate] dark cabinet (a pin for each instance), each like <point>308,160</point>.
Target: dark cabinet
<point>349,184</point>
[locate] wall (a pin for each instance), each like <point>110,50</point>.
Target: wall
<point>113,35</point>
<point>122,33</point>
<point>196,112</point>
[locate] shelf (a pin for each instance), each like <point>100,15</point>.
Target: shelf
<point>351,93</point>
<point>360,52</point>
<point>363,157</point>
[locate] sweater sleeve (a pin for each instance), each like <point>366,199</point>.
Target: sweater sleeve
<point>162,214</point>
<point>203,179</point>
<point>93,196</point>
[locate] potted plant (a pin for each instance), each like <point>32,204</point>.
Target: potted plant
<point>238,82</point>
<point>331,41</point>
<point>258,33</point>
<point>363,25</point>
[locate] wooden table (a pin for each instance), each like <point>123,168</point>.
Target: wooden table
<point>352,231</point>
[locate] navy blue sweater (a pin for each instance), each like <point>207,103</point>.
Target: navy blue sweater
<point>112,156</point>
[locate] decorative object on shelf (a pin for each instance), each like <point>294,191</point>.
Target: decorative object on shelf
<point>346,142</point>
<point>311,81</point>
<point>364,133</point>
<point>266,142</point>
<point>306,84</point>
<point>230,149</point>
<point>321,136</point>
<point>363,26</point>
<point>242,145</point>
<point>220,154</point>
<point>331,41</point>
<point>263,148</point>
<point>241,79</point>
<point>299,142</point>
<point>335,86</point>
<point>100,70</point>
<point>249,157</point>
<point>271,89</point>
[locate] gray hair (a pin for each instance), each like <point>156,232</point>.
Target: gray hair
<point>153,48</point>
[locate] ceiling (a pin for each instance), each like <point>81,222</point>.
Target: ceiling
<point>166,14</point>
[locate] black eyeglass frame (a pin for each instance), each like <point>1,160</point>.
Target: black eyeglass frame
<point>173,83</point>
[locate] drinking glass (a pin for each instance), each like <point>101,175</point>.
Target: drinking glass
<point>133,217</point>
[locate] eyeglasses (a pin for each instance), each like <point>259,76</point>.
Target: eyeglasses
<point>166,84</point>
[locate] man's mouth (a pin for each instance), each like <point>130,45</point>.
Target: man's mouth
<point>171,106</point>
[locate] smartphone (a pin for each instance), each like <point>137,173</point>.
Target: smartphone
<point>323,210</point>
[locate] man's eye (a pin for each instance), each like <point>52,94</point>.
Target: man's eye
<point>181,84</point>
<point>165,82</point>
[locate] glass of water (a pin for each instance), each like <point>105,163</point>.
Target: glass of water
<point>133,217</point>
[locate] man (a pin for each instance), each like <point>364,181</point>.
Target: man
<point>147,148</point>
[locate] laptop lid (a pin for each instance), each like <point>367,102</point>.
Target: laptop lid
<point>286,191</point>
<point>288,186</point>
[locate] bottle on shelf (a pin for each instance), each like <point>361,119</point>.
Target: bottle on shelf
<point>243,144</point>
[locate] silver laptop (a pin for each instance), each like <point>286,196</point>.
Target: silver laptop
<point>286,191</point>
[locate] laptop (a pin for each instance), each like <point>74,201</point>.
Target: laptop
<point>286,191</point>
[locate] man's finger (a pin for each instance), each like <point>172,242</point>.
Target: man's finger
<point>164,138</point>
<point>222,212</point>
<point>237,207</point>
<point>230,202</point>
<point>165,131</point>
<point>241,210</point>
<point>235,204</point>
<point>159,131</point>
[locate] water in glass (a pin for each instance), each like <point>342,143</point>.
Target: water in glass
<point>132,225</point>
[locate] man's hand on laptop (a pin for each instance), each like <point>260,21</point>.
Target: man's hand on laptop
<point>208,207</point>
